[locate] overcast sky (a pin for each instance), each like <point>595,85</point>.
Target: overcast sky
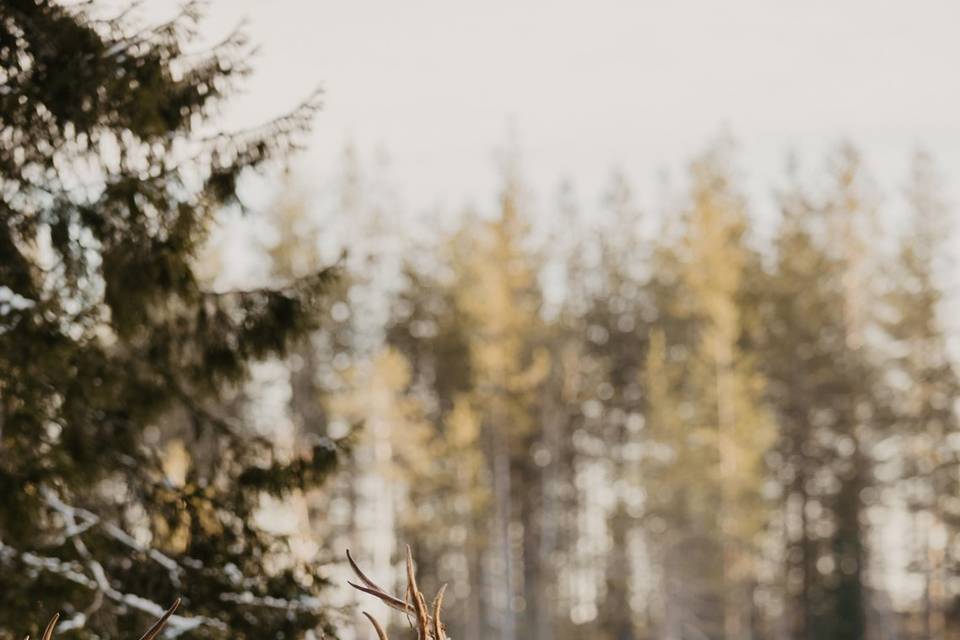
<point>590,85</point>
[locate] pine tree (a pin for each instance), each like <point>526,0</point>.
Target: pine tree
<point>729,386</point>
<point>927,385</point>
<point>828,397</point>
<point>706,412</point>
<point>850,216</point>
<point>109,189</point>
<point>610,333</point>
<point>430,331</point>
<point>498,295</point>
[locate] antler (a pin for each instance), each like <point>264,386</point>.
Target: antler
<point>158,626</point>
<point>428,627</point>
<point>150,634</point>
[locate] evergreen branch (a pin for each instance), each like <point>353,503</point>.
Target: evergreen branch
<point>310,604</point>
<point>177,625</point>
<point>70,515</point>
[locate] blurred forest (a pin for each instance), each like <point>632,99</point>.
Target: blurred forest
<point>719,417</point>
<point>598,421</point>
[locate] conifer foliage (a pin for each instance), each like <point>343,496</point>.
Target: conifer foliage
<point>112,168</point>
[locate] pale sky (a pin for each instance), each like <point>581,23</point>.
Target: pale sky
<point>590,85</point>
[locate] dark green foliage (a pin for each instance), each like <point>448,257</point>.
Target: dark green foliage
<point>108,189</point>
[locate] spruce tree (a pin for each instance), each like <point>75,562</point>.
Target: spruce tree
<point>828,396</point>
<point>927,384</point>
<point>497,294</point>
<point>708,429</point>
<point>113,169</point>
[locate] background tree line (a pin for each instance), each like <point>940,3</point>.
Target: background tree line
<point>597,421</point>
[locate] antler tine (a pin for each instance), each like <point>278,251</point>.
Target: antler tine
<point>437,604</point>
<point>376,626</point>
<point>423,618</point>
<point>363,577</point>
<point>386,598</point>
<point>376,590</point>
<point>48,632</point>
<point>428,627</point>
<point>157,627</point>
